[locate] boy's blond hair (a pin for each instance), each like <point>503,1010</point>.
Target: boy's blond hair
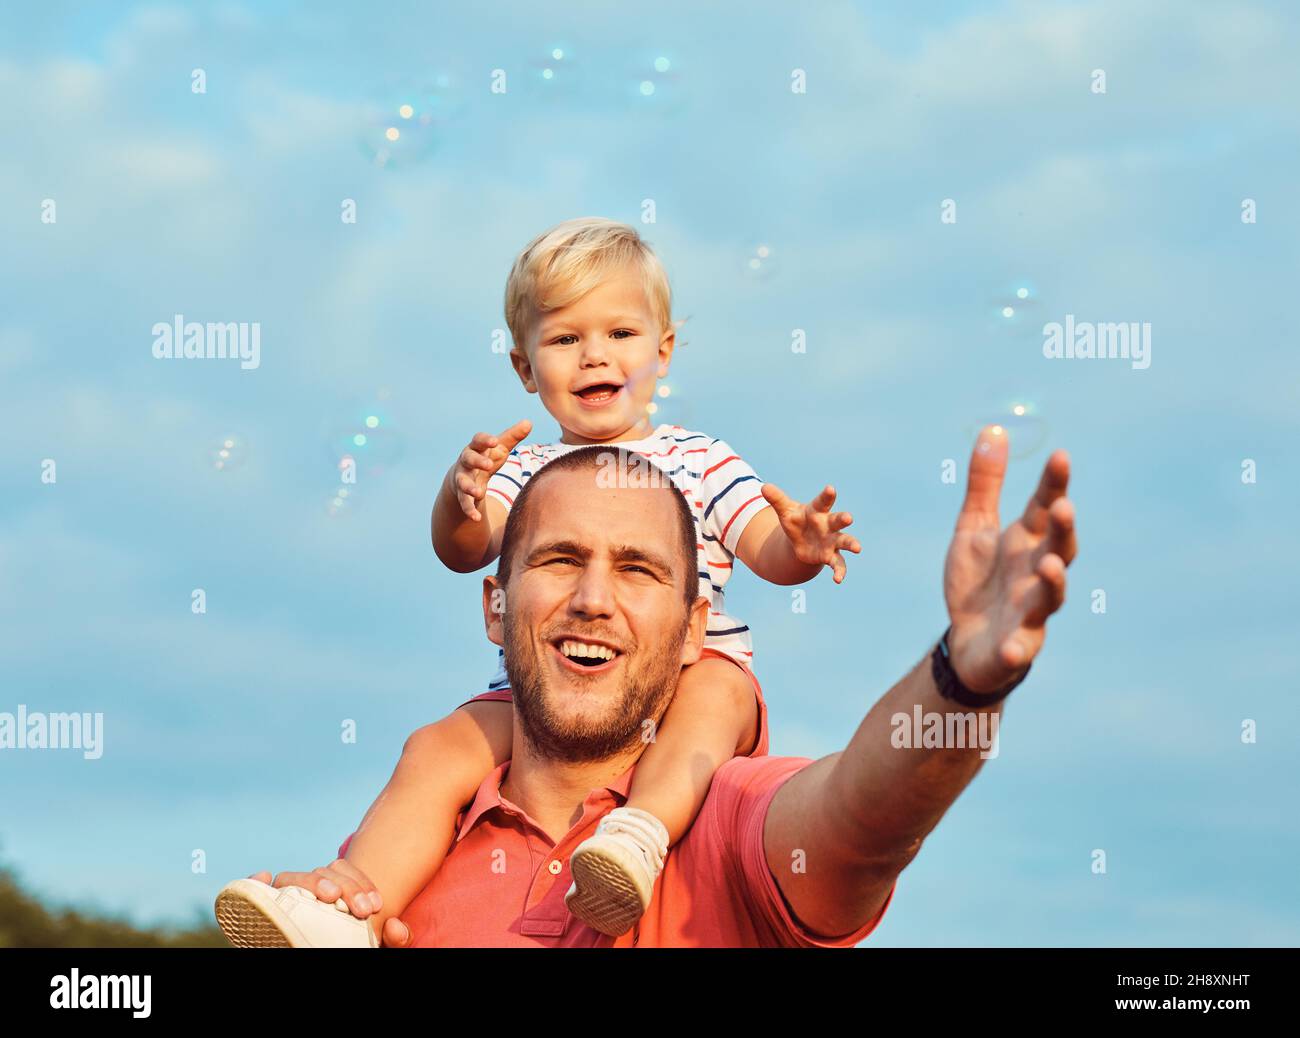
<point>563,264</point>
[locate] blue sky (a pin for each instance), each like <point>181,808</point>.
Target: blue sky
<point>222,729</point>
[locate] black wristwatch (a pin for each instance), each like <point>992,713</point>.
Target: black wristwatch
<point>950,686</point>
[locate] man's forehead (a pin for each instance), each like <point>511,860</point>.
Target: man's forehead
<point>574,506</point>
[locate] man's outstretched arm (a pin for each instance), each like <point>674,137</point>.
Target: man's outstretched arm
<point>853,820</point>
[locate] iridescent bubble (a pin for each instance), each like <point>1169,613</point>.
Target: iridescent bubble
<point>366,436</point>
<point>1014,311</point>
<point>555,74</point>
<point>655,84</point>
<point>761,262</point>
<point>1020,414</point>
<point>677,408</point>
<point>342,503</point>
<point>229,452</point>
<point>406,116</point>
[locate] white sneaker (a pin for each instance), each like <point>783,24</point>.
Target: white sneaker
<point>253,914</point>
<point>615,869</point>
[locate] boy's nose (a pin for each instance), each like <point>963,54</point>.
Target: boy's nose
<point>593,353</point>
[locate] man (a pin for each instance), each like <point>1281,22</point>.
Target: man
<point>785,851</point>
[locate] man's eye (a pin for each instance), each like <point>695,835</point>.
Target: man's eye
<point>639,569</point>
<point>560,558</point>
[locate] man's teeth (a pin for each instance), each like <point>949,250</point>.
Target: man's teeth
<point>589,651</point>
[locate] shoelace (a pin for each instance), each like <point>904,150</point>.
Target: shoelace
<point>646,832</point>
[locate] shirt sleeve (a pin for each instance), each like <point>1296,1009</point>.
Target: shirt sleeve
<point>744,788</point>
<point>506,482</point>
<point>731,494</point>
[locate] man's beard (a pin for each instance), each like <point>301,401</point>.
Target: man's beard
<point>645,694</point>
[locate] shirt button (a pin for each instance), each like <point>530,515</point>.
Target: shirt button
<point>555,867</point>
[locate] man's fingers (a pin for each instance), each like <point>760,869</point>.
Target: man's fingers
<point>988,466</point>
<point>1052,485</point>
<point>839,520</point>
<point>838,567</point>
<point>262,877</point>
<point>396,933</point>
<point>1048,592</point>
<point>847,543</point>
<point>1060,530</point>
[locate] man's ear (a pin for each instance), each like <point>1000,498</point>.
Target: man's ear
<point>697,622</point>
<point>494,608</point>
<point>523,368</point>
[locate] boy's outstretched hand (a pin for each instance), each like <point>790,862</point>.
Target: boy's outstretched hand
<point>480,461</point>
<point>813,529</point>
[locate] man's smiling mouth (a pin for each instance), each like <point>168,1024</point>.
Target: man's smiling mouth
<point>585,657</point>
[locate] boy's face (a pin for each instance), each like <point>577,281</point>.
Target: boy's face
<point>595,362</point>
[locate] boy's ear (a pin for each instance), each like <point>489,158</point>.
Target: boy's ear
<point>666,344</point>
<point>523,368</point>
<point>494,608</point>
<point>697,622</point>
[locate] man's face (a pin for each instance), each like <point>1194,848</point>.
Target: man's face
<point>599,571</point>
<point>595,361</point>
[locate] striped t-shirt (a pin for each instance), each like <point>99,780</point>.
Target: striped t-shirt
<point>724,494</point>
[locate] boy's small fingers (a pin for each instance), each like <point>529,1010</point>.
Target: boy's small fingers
<point>472,459</point>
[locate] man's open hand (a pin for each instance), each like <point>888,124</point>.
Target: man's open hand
<point>1002,585</point>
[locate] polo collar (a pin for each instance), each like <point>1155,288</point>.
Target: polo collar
<point>489,795</point>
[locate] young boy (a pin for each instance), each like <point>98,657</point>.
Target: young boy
<point>589,308</point>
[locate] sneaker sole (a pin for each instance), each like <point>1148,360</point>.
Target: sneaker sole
<point>607,899</point>
<point>249,918</point>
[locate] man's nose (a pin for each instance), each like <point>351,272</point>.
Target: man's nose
<point>593,594</point>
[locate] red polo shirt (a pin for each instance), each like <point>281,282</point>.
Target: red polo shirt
<point>503,882</point>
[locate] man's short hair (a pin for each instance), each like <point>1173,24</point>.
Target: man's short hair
<point>601,456</point>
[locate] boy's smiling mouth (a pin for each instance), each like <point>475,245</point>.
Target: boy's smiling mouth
<point>598,394</point>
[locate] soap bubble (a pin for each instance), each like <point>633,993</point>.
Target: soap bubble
<point>404,120</point>
<point>675,405</point>
<point>366,436</point>
<point>654,83</point>
<point>342,503</point>
<point>1020,414</point>
<point>1013,309</point>
<point>556,73</point>
<point>228,452</point>
<point>761,262</point>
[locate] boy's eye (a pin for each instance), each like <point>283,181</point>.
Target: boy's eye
<point>559,340</point>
